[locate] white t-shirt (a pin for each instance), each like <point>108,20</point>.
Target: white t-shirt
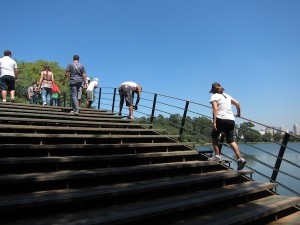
<point>7,66</point>
<point>130,84</point>
<point>224,106</point>
<point>92,85</point>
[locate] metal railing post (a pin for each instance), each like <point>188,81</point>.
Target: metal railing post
<point>183,120</point>
<point>153,110</point>
<point>280,157</point>
<point>99,98</point>
<point>114,98</point>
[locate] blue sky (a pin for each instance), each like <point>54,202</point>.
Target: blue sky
<point>173,47</point>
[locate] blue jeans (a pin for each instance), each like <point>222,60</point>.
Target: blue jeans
<point>55,101</point>
<point>46,95</point>
<point>75,90</point>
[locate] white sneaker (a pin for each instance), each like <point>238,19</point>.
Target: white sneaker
<point>215,158</point>
<point>241,163</point>
<point>74,113</point>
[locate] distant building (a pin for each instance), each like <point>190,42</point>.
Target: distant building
<point>269,130</point>
<point>296,129</point>
<point>274,130</point>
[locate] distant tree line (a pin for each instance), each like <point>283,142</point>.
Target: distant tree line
<point>198,129</point>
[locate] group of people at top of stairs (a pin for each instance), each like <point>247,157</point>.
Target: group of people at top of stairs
<point>78,80</point>
<point>77,75</point>
<point>45,87</point>
<point>48,89</point>
<point>223,116</point>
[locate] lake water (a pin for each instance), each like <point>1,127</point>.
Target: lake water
<point>261,158</point>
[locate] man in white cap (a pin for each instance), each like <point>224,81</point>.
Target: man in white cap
<point>90,92</point>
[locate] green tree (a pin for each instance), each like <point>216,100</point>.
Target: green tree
<point>277,137</point>
<point>267,137</point>
<point>246,133</point>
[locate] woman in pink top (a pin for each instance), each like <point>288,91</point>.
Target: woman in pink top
<point>46,80</point>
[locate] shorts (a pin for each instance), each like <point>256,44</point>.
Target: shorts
<point>226,127</point>
<point>127,94</point>
<point>89,96</point>
<point>7,82</point>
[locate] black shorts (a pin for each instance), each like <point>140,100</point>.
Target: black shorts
<point>7,82</point>
<point>226,127</point>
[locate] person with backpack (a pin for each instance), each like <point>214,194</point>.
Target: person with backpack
<point>55,94</point>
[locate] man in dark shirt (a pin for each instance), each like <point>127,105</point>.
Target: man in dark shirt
<point>77,74</point>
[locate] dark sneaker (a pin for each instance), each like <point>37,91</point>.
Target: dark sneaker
<point>241,163</point>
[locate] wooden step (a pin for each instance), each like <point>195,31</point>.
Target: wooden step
<point>47,198</point>
<point>103,172</point>
<point>21,165</point>
<point>140,212</point>
<point>44,139</point>
<point>75,130</point>
<point>66,116</point>
<point>247,212</point>
<point>34,108</point>
<point>293,219</point>
<point>134,146</point>
<point>89,136</point>
<point>52,112</point>
<point>72,121</point>
<point>55,159</point>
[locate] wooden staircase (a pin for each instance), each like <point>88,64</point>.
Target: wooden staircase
<point>98,168</point>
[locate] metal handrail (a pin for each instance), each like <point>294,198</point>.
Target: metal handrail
<point>153,105</point>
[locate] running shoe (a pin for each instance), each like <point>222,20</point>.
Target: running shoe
<point>215,158</point>
<point>241,163</point>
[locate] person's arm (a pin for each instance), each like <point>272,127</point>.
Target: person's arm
<point>29,92</point>
<point>237,106</point>
<point>215,113</point>
<point>138,91</point>
<point>16,73</point>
